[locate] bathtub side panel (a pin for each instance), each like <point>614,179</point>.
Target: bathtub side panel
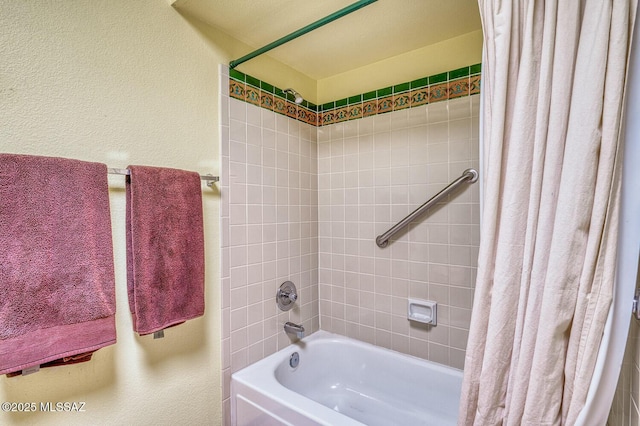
<point>248,413</point>
<point>252,408</point>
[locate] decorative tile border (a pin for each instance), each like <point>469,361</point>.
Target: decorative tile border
<point>440,87</point>
<point>249,89</point>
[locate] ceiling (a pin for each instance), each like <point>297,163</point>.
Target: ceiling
<point>381,30</point>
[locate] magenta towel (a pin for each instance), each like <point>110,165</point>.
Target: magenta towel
<point>165,247</point>
<point>57,285</point>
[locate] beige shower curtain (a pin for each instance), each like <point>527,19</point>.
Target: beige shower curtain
<point>553,84</point>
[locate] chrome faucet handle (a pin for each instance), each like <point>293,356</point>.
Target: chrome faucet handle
<point>286,296</point>
<point>291,296</point>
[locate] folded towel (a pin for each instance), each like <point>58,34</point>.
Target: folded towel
<point>165,247</point>
<point>56,261</point>
<point>67,360</point>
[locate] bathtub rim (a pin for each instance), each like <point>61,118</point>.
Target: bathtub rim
<point>260,376</point>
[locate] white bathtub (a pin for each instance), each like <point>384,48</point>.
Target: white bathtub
<point>341,381</point>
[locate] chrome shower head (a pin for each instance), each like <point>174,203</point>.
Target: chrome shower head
<point>294,94</point>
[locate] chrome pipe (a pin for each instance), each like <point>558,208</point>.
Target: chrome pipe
<point>470,175</point>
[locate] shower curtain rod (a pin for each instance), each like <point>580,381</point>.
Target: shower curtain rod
<point>209,179</point>
<point>317,24</point>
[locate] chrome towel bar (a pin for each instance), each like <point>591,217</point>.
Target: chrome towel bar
<point>209,179</point>
<point>470,175</point>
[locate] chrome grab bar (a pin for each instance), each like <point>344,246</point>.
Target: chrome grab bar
<point>470,175</point>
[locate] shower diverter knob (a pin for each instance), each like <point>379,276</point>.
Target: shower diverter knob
<point>286,296</point>
<point>292,296</point>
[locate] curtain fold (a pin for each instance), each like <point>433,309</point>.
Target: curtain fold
<point>553,85</point>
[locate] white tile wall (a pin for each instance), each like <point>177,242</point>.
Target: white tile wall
<point>372,172</point>
<point>269,231</point>
<point>304,204</point>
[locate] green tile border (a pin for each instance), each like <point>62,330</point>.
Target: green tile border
<point>385,92</point>
<point>460,72</point>
<point>452,84</point>
<point>398,88</point>
<point>236,75</point>
<point>438,78</point>
<point>419,83</point>
<point>355,99</point>
<point>328,106</point>
<point>369,95</point>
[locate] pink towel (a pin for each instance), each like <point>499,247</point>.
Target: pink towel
<point>57,285</point>
<point>165,247</point>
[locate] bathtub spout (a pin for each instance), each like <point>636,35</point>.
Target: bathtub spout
<point>291,328</point>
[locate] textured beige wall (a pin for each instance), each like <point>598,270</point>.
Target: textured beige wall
<point>124,82</point>
<point>262,67</point>
<point>441,57</point>
<point>119,82</point>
